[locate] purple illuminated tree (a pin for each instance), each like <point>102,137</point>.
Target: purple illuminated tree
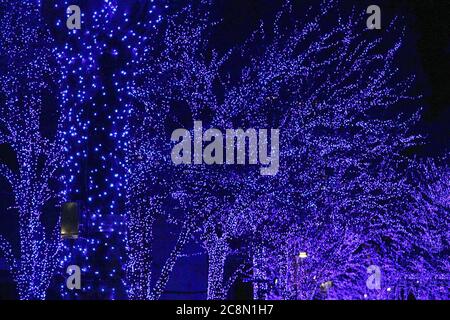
<point>426,233</point>
<point>28,81</point>
<point>333,89</point>
<point>150,191</point>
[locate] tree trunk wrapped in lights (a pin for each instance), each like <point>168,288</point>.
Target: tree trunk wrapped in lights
<point>217,255</point>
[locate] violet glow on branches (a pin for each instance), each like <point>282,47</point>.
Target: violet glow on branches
<point>409,245</point>
<point>427,233</point>
<point>332,89</point>
<point>151,177</point>
<point>28,81</point>
<point>353,199</point>
<point>345,196</point>
<point>159,80</point>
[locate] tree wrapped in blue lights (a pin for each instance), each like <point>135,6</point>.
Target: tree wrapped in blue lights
<point>93,173</point>
<point>29,80</point>
<point>408,244</point>
<point>157,186</point>
<point>427,233</point>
